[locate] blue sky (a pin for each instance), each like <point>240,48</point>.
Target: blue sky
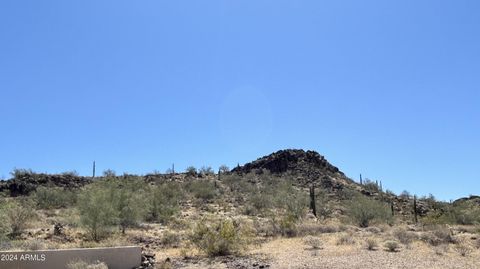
<point>389,89</point>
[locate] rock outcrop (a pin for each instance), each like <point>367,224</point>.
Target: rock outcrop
<point>306,166</point>
<point>27,183</point>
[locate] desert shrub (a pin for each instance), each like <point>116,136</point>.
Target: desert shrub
<point>439,235</point>
<point>191,171</point>
<point>18,215</point>
<point>224,169</point>
<point>369,185</point>
<point>5,244</point>
<point>71,173</point>
<point>405,195</point>
<point>219,237</point>
<point>346,239</point>
<point>98,214</point>
<point>371,244</point>
<point>79,264</point>
<point>287,226</point>
<point>21,172</point>
<point>463,249</point>
<point>391,246</point>
<point>373,230</point>
<point>313,242</point>
<point>202,189</point>
<point>321,204</point>
<point>363,211</point>
<point>34,245</point>
<point>164,201</point>
<point>463,214</point>
<point>4,225</point>
<point>170,239</point>
<point>109,173</point>
<point>51,197</point>
<point>440,250</point>
<point>206,171</point>
<point>129,203</point>
<point>294,202</point>
<point>403,236</point>
<point>316,229</point>
<point>259,203</point>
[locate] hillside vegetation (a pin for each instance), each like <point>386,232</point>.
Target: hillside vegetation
<point>201,214</point>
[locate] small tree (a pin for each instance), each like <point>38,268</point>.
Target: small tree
<point>164,201</point>
<point>191,171</point>
<point>223,169</point>
<point>206,171</point>
<point>97,210</point>
<point>109,173</point>
<point>18,216</point>
<point>220,238</point>
<point>129,204</point>
<point>363,211</point>
<point>50,197</point>
<point>4,225</point>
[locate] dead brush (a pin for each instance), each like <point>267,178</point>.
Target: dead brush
<point>391,246</point>
<point>371,244</point>
<point>313,241</point>
<point>346,239</point>
<point>403,236</point>
<point>441,249</point>
<point>463,249</point>
<point>305,229</point>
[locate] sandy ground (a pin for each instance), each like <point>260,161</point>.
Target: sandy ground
<point>293,253</point>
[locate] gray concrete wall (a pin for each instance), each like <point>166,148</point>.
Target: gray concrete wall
<point>115,258</point>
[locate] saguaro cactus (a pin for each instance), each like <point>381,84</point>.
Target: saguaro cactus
<point>415,208</point>
<point>391,208</point>
<point>93,174</point>
<point>313,205</point>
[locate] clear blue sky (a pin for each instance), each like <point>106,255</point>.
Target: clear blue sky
<point>389,89</point>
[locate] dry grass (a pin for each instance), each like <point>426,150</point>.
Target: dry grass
<point>371,244</point>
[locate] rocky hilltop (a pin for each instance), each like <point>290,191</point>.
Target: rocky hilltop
<point>307,166</point>
<point>25,183</point>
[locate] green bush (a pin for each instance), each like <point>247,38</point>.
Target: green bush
<point>288,226</point>
<point>391,246</point>
<point>371,244</point>
<point>206,171</point>
<point>202,189</point>
<point>4,225</point>
<point>98,214</point>
<point>462,213</point>
<point>313,241</point>
<point>18,215</point>
<point>220,238</point>
<point>363,211</point>
<point>109,173</point>
<point>223,169</point>
<point>371,186</point>
<point>164,201</point>
<point>52,197</point>
<point>191,171</point>
<point>259,202</point>
<point>129,203</point>
<point>405,237</point>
